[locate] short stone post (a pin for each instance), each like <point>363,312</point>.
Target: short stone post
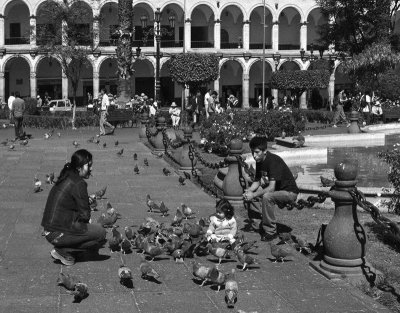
<point>144,119</point>
<point>233,191</point>
<point>354,128</point>
<point>157,141</point>
<point>344,238</point>
<point>184,160</point>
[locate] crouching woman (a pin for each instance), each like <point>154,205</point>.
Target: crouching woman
<point>67,213</point>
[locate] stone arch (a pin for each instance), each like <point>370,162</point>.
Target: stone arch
<point>9,57</point>
<point>17,70</point>
<point>256,27</point>
<point>202,26</point>
<point>143,80</point>
<point>49,77</point>
<point>201,3</point>
<point>289,28</point>
<point>232,19</point>
<point>7,2</point>
<point>255,80</point>
<point>234,4</point>
<point>290,64</point>
<point>17,30</point>
<point>294,6</point>
<point>314,20</point>
<point>108,76</point>
<point>231,79</point>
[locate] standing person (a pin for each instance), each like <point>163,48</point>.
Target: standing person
<point>105,103</point>
<point>339,111</point>
<point>198,107</point>
<point>207,97</point>
<point>39,102</point>
<point>66,217</point>
<point>212,103</point>
<point>232,102</point>
<point>9,103</point>
<point>18,109</point>
<point>152,109</point>
<point>274,182</point>
<point>175,113</point>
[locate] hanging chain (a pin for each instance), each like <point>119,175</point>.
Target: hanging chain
<point>242,180</point>
<point>376,215</point>
<point>199,157</point>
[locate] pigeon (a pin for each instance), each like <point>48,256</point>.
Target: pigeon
<point>75,143</point>
<point>135,157</point>
<point>177,255</point>
<point>200,272</point>
<point>116,234</point>
<point>126,246</point>
<point>163,209</point>
<point>90,140</point>
<point>74,286</point>
<point>23,142</point>
<point>280,252</point>
<point>187,212</point>
<point>116,143</point>
<point>107,220</point>
<point>326,182</point>
<point>96,141</point>
<point>302,244</point>
<point>100,193</point>
<point>136,169</point>
<point>114,244</point>
<point>125,275</point>
<point>218,252</point>
<point>231,290</point>
<point>105,145</point>
<point>245,259</point>
<point>285,237</point>
<point>216,277</point>
<point>37,185</point>
<point>151,204</point>
<point>187,175</point>
<point>146,269</point>
<point>80,292</point>
<point>146,162</point>
<point>47,135</point>
<point>59,134</point>
<point>129,233</point>
<point>152,250</point>
<point>159,155</point>
<point>181,180</point>
<point>120,152</point>
<point>166,171</point>
<point>11,147</point>
<point>177,218</point>
<point>50,178</point>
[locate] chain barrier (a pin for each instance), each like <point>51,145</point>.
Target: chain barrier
<point>376,215</point>
<point>168,143</point>
<point>250,171</point>
<point>199,157</point>
<point>149,134</point>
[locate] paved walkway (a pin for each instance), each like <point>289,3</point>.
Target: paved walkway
<point>28,274</point>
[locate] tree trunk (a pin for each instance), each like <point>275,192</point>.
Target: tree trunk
<point>74,110</point>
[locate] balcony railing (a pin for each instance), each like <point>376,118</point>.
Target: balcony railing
<point>289,47</point>
<point>171,43</point>
<point>259,45</point>
<point>202,44</point>
<point>17,41</point>
<point>231,45</point>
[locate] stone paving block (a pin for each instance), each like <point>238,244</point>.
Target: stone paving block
<point>173,302</point>
<point>28,304</point>
<point>99,303</point>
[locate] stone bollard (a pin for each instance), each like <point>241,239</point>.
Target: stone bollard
<point>231,187</point>
<point>184,160</point>
<point>344,238</point>
<point>144,119</point>
<point>354,128</point>
<point>157,141</point>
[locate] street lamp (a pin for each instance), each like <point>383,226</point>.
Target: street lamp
<point>158,32</point>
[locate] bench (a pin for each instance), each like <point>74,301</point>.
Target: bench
<point>121,116</point>
<point>390,115</point>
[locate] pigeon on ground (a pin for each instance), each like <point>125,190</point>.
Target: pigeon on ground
<point>116,143</point>
<point>245,259</point>
<point>187,212</point>
<point>181,180</point>
<point>75,143</point>
<point>216,277</point>
<point>136,169</point>
<point>120,152</point>
<point>59,134</point>
<point>177,218</point>
<point>129,233</point>
<point>327,182</point>
<point>280,251</point>
<point>24,142</point>
<point>50,178</point>
<point>163,209</point>
<point>105,145</point>
<point>11,147</point>
<point>146,162</point>
<point>166,171</point>
<point>125,275</point>
<point>231,290</point>
<point>126,246</point>
<point>187,175</point>
<point>37,185</point>
<point>286,237</point>
<point>100,193</point>
<point>151,204</point>
<point>135,157</point>
<point>146,269</point>
<point>200,272</point>
<point>218,252</point>
<point>74,286</point>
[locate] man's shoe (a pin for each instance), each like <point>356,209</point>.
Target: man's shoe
<point>268,237</point>
<point>65,258</point>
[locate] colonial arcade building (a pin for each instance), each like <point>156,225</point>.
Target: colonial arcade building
<point>232,29</point>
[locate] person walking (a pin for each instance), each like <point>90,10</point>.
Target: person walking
<point>339,111</point>
<point>274,182</point>
<point>10,100</point>
<point>105,103</point>
<point>17,110</point>
<point>66,217</point>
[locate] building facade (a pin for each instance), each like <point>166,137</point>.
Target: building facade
<point>232,29</point>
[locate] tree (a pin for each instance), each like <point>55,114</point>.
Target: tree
<point>389,83</point>
<point>194,69</point>
<point>68,37</point>
<point>355,24</point>
<point>366,67</point>
<point>299,81</point>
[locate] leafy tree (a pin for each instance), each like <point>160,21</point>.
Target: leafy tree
<point>65,38</point>
<point>389,83</point>
<point>355,24</point>
<point>194,69</point>
<point>366,67</point>
<point>299,81</point>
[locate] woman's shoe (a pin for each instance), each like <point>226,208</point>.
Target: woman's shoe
<point>64,257</point>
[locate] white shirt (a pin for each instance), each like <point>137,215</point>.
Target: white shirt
<point>105,102</point>
<point>10,101</point>
<point>206,97</point>
<point>152,110</point>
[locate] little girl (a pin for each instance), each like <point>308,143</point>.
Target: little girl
<point>223,226</point>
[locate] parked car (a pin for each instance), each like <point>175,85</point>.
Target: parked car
<point>60,105</point>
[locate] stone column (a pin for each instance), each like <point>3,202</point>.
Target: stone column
<point>274,93</point>
<point>64,85</point>
<point>246,35</point>
<point>64,27</point>
<point>2,86</point>
<point>2,30</point>
<point>246,89</point>
<point>188,32</point>
<point>303,36</point>
<point>216,86</point>
<point>217,34</point>
<point>32,35</point>
<point>96,32</point>
<point>331,91</point>
<point>96,84</point>
<point>275,36</point>
<point>33,84</point>
<point>303,100</point>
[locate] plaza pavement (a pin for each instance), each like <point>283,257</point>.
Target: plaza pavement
<point>28,274</point>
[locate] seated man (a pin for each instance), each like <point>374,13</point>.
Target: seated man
<point>175,115</point>
<point>274,182</point>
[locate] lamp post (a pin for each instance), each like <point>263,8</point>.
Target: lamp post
<point>263,61</point>
<point>158,32</point>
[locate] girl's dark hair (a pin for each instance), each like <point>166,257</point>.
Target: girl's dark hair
<point>78,159</point>
<point>224,206</point>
